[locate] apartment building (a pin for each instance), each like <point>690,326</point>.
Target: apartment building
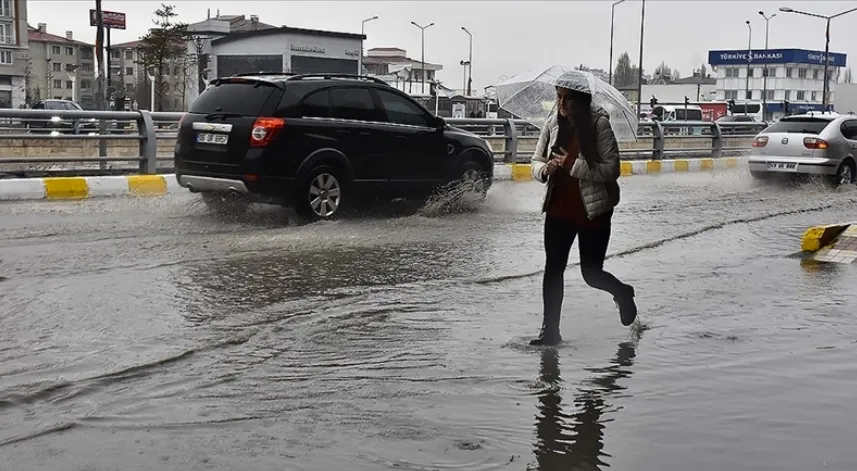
<point>14,54</point>
<point>61,68</point>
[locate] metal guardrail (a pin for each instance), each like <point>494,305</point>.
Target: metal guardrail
<point>148,127</point>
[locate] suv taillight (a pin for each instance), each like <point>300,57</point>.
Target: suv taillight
<point>264,130</point>
<point>760,141</point>
<point>814,143</point>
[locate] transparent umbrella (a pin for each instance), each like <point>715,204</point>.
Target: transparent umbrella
<point>532,96</point>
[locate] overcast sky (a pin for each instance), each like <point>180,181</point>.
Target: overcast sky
<point>510,37</point>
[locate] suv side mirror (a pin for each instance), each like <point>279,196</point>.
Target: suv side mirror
<point>439,123</point>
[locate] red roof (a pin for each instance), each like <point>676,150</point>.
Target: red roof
<point>34,35</point>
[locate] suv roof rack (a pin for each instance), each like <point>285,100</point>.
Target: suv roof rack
<point>330,76</point>
<point>263,74</point>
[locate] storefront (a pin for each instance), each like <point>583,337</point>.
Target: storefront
<point>286,49</point>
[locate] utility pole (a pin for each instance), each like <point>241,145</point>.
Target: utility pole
<point>469,62</point>
<point>765,69</point>
<point>747,95</point>
<point>423,60</point>
<point>363,34</point>
<point>99,54</point>
<point>612,15</point>
<point>640,68</point>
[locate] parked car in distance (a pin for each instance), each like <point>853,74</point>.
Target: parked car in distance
<point>321,143</point>
<point>813,143</point>
<point>61,125</point>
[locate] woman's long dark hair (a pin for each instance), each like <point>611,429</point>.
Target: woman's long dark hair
<point>583,127</point>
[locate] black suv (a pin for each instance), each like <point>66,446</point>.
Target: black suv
<point>321,143</point>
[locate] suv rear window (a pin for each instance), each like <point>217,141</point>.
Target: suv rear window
<point>244,98</point>
<point>799,126</point>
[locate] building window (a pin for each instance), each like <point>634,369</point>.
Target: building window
<point>129,71</point>
<point>789,74</point>
<point>6,36</point>
<point>6,8</point>
<point>732,72</point>
<point>6,57</point>
<point>56,50</point>
<point>57,83</point>
<point>86,68</point>
<point>85,84</point>
<point>731,94</point>
<point>788,95</point>
<point>814,96</point>
<point>114,54</point>
<point>801,73</point>
<point>769,94</point>
<point>801,95</point>
<point>69,51</point>
<point>129,87</point>
<point>69,84</point>
<point>57,66</point>
<point>86,53</point>
<point>70,67</point>
<point>129,55</point>
<point>768,72</point>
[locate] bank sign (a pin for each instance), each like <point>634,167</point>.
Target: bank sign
<point>775,56</point>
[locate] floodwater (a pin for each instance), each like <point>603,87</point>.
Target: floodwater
<point>149,334</point>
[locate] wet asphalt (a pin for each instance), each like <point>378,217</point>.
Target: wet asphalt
<point>150,334</point>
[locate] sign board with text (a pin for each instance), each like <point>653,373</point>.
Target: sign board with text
<point>775,56</point>
<point>109,19</point>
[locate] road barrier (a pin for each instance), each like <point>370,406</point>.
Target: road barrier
<point>80,143</point>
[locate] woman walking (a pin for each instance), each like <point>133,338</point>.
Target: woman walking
<point>578,157</point>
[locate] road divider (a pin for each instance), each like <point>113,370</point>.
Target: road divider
<point>835,243</point>
<point>80,188</point>
<point>650,167</point>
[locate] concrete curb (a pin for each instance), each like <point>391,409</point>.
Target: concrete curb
<point>817,237</point>
<point>643,167</point>
<point>835,243</point>
<point>80,188</point>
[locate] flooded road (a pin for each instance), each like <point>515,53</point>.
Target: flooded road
<point>148,334</point>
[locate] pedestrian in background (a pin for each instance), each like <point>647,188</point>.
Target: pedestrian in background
<point>577,156</point>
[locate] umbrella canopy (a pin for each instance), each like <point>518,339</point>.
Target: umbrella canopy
<point>532,96</point>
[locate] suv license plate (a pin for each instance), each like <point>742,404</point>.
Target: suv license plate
<point>210,138</point>
<point>782,167</point>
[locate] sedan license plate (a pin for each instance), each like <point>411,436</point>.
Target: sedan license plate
<point>211,138</point>
<point>782,166</point>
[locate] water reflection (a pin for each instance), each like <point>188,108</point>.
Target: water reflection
<point>575,441</point>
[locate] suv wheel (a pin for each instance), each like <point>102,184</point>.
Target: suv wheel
<point>473,181</point>
<point>322,195</point>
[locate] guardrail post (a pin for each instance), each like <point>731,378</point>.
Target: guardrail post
<point>511,154</point>
<point>657,141</point>
<point>148,143</point>
<point>102,144</point>
<point>716,140</point>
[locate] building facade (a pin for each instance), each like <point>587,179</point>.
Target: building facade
<point>795,76</point>
<point>14,53</point>
<point>61,68</point>
<point>393,66</point>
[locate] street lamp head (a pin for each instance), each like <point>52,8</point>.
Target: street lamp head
<point>786,9</point>
<point>761,13</point>
<point>748,22</point>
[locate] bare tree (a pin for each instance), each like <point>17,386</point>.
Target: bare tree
<point>163,44</point>
<point>846,77</point>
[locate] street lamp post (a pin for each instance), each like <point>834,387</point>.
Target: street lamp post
<point>363,33</point>
<point>423,60</point>
<point>747,95</point>
<point>612,14</point>
<point>826,58</point>
<point>469,62</point>
<point>765,66</point>
<point>640,67</point>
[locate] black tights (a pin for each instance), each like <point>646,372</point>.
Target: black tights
<point>559,237</point>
